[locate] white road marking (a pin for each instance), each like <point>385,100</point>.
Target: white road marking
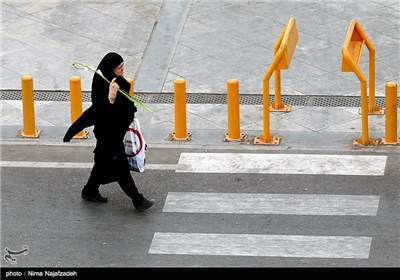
<point>44,164</point>
<point>262,203</point>
<point>282,164</point>
<point>295,246</point>
<point>249,163</point>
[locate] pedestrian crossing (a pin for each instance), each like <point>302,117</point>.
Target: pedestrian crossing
<point>72,165</point>
<point>261,245</point>
<point>282,164</point>
<point>285,245</point>
<point>357,165</point>
<point>267,245</point>
<point>268,204</point>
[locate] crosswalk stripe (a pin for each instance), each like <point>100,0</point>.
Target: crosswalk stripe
<point>43,164</point>
<point>301,246</point>
<point>72,165</point>
<point>282,163</point>
<point>262,203</point>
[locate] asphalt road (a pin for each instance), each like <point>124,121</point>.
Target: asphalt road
<point>41,207</point>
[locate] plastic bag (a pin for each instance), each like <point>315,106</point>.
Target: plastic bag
<point>135,147</point>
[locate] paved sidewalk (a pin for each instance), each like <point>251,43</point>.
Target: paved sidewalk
<point>304,128</point>
<point>206,43</point>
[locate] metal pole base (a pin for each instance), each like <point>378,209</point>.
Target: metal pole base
<point>371,143</point>
<point>172,137</point>
<point>377,111</point>
<point>35,135</point>
<point>240,139</point>
<point>84,136</point>
<point>274,141</point>
<point>384,142</point>
<point>285,108</point>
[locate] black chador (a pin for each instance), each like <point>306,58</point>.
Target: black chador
<point>111,121</point>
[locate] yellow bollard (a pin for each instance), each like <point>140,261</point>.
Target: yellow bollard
<point>131,91</point>
<point>391,115</point>
<point>76,103</point>
<point>180,133</point>
<point>28,109</point>
<point>233,112</point>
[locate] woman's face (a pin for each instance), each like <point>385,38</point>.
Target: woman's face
<point>119,70</point>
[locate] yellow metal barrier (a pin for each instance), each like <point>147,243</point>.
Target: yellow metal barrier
<point>391,116</point>
<point>28,109</point>
<point>180,133</point>
<point>351,55</point>
<point>352,49</point>
<point>284,49</point>
<point>233,112</point>
<point>76,103</point>
<point>288,41</point>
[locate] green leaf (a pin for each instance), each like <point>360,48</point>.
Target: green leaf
<point>82,66</point>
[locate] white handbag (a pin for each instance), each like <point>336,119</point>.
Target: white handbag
<point>135,147</point>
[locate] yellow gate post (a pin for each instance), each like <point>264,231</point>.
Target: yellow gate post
<point>28,109</point>
<point>351,55</point>
<point>391,116</point>
<point>290,44</point>
<point>373,109</point>
<point>233,112</point>
<point>180,133</point>
<point>287,44</point>
<point>75,93</point>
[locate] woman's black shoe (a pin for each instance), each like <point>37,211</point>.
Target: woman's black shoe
<point>143,204</point>
<point>94,197</point>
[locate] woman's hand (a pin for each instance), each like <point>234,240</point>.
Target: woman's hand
<point>112,94</point>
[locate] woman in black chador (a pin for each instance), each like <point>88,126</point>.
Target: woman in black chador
<point>111,114</point>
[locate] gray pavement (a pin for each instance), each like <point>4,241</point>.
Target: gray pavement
<point>41,208</point>
<point>206,43</point>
